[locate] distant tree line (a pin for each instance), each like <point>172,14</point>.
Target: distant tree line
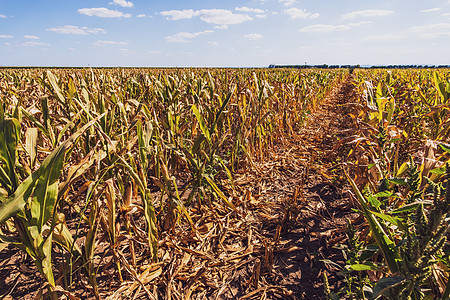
<point>325,66</point>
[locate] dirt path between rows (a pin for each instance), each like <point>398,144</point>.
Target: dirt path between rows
<point>304,191</point>
<point>292,211</point>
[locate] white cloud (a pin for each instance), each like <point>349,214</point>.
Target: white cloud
<point>297,13</point>
<point>324,28</point>
<point>430,10</point>
<point>185,37</point>
<point>435,30</point>
<point>214,43</point>
<point>125,51</point>
<point>251,10</point>
<point>253,36</point>
<point>35,44</point>
<point>358,23</point>
<point>109,43</point>
<point>331,28</point>
<point>122,3</point>
<point>287,2</point>
<point>261,16</point>
<point>433,35</point>
<point>221,27</point>
<point>71,29</point>
<point>174,15</point>
<point>212,16</point>
<point>103,12</point>
<point>383,37</point>
<point>141,16</point>
<point>5,36</point>
<point>446,15</point>
<point>153,52</point>
<point>31,37</point>
<point>2,16</point>
<point>222,16</point>
<point>367,13</point>
<point>436,26</point>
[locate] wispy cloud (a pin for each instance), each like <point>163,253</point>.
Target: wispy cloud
<point>331,28</point>
<point>433,35</point>
<point>297,13</point>
<point>212,16</point>
<point>185,37</point>
<point>435,26</point>
<point>103,12</point>
<point>435,30</point>
<point>71,29</point>
<point>287,2</point>
<point>253,36</point>
<point>122,3</point>
<point>141,16</point>
<point>35,44</point>
<point>250,10</point>
<point>324,28</point>
<point>101,43</point>
<point>126,51</point>
<point>2,16</point>
<point>175,15</point>
<point>383,37</point>
<point>6,36</point>
<point>221,27</point>
<point>222,16</point>
<point>430,10</point>
<point>31,37</point>
<point>367,13</point>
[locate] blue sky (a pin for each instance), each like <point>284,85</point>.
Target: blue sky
<point>223,33</point>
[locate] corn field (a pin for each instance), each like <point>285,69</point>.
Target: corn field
<point>128,183</point>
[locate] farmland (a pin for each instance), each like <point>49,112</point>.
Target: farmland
<point>224,183</point>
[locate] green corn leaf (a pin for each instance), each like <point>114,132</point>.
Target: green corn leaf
<point>387,246</point>
<point>201,123</point>
<point>390,109</point>
<point>363,267</point>
<point>222,108</point>
<point>9,137</point>
<point>45,192</point>
<point>391,219</point>
<point>439,171</point>
<point>445,147</point>
<point>150,215</point>
<point>384,284</point>
<point>411,206</point>
<point>399,181</point>
<point>220,193</point>
<point>35,122</point>
<point>5,180</point>
<point>54,84</point>
<point>44,180</point>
